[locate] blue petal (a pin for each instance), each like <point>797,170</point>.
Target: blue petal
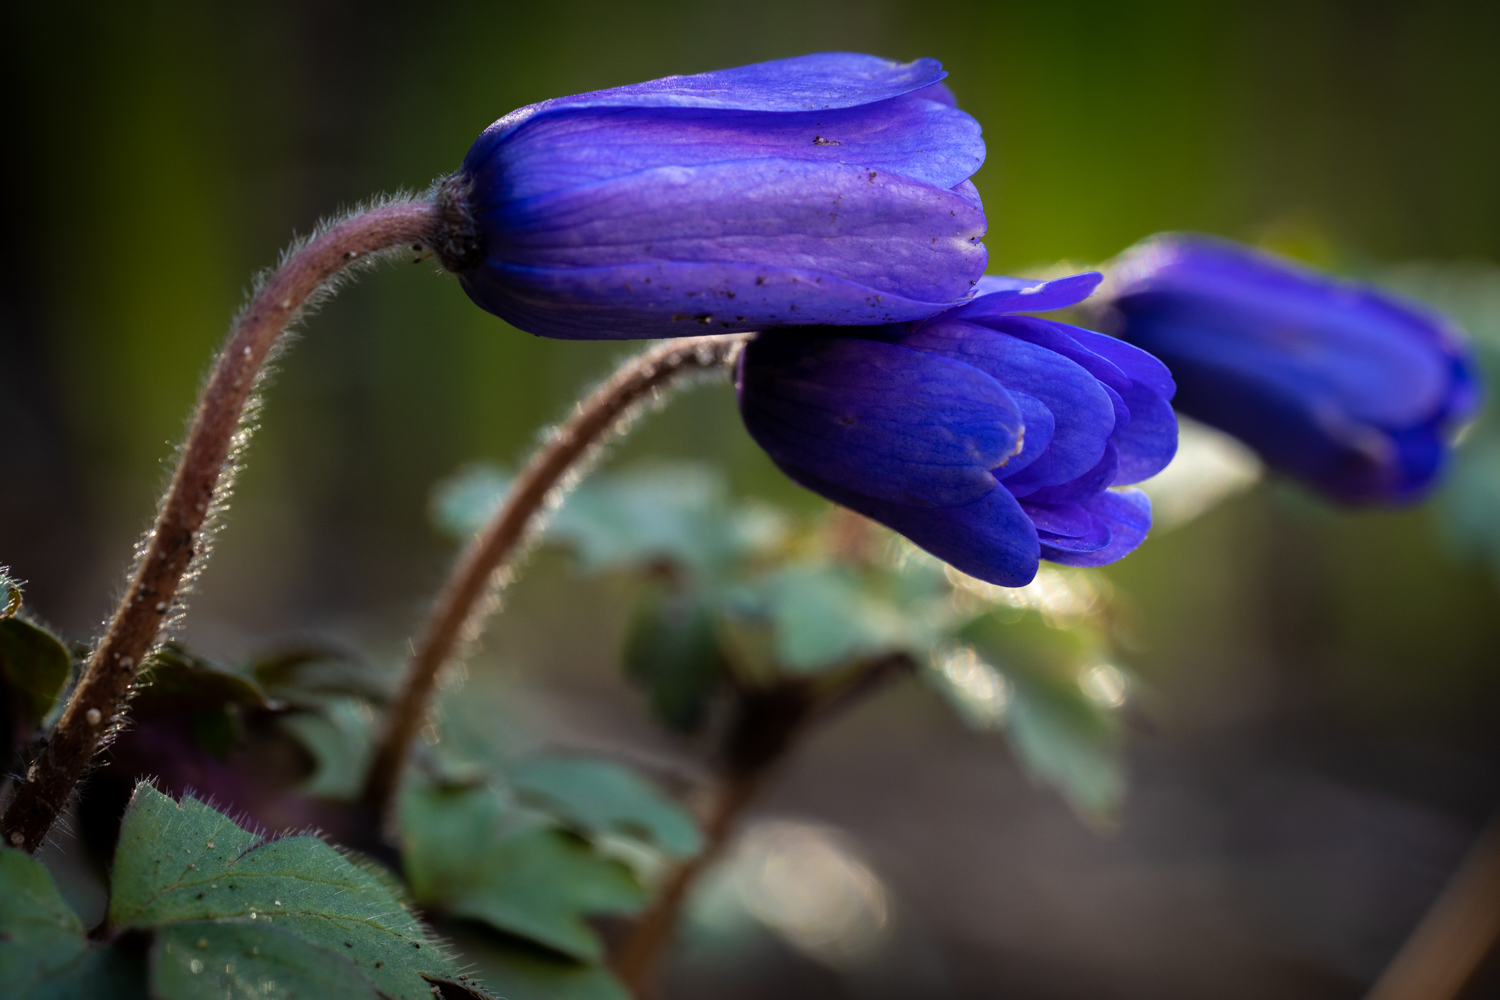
<point>1069,520</point>
<point>638,301</point>
<point>1126,513</point>
<point>923,140</point>
<point>999,296</point>
<point>1039,428</point>
<point>889,422</point>
<point>1302,432</point>
<point>1222,304</point>
<point>1091,482</point>
<point>1141,367</point>
<point>1149,441</point>
<point>1057,337</point>
<point>1083,414</point>
<point>817,82</point>
<point>892,234</point>
<point>991,539</point>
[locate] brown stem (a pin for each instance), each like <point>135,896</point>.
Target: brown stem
<point>459,604</point>
<point>768,725</point>
<point>167,552</point>
<point>1446,949</point>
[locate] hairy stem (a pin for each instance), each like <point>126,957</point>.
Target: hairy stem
<point>768,725</point>
<point>459,605</point>
<point>165,555</point>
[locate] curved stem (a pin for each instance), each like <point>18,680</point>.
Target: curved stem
<point>167,552</point>
<point>768,725</point>
<point>455,612</point>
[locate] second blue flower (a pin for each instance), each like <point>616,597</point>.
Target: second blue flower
<point>990,439</point>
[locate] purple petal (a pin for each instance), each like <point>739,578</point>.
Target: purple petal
<point>991,539</point>
<point>678,300</point>
<point>1090,483</point>
<point>1057,337</point>
<point>888,422</point>
<point>1096,538</point>
<point>889,233</point>
<point>1070,520</point>
<point>1140,366</point>
<point>1037,435</point>
<point>817,82</point>
<point>998,296</point>
<point>1223,304</point>
<point>1127,514</point>
<point>923,140</point>
<point>1083,414</point>
<point>1149,441</point>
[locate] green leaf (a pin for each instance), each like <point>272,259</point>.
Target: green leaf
<point>599,796</point>
<point>471,854</point>
<point>185,863</point>
<point>1061,736</point>
<point>672,650</point>
<point>177,683</point>
<point>180,685</point>
<point>44,954</point>
<point>208,959</point>
<point>341,738</point>
<point>309,675</point>
<point>40,933</point>
<point>516,972</point>
<point>34,666</point>
<point>675,513</point>
<point>824,617</point>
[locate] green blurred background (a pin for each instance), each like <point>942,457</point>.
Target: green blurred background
<point>160,153</point>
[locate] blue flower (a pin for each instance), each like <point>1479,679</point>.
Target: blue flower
<point>825,189</point>
<point>990,439</point>
<point>1349,389</point>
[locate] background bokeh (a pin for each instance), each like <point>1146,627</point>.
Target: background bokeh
<point>1318,738</point>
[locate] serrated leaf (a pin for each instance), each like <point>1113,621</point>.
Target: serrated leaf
<point>34,666</point>
<point>672,650</point>
<point>203,960</point>
<point>44,954</point>
<point>341,738</point>
<point>185,862</point>
<point>599,796</point>
<point>470,854</point>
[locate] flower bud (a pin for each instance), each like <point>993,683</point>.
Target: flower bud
<point>1349,389</point>
<point>824,189</point>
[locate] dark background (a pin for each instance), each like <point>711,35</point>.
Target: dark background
<point>1319,745</point>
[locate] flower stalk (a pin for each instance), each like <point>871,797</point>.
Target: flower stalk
<point>175,542</point>
<point>459,609</point>
<point>768,725</point>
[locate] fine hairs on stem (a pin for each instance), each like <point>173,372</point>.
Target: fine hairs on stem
<point>556,466</point>
<point>174,548</point>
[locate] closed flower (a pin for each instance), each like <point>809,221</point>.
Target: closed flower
<point>825,189</point>
<point>990,439</point>
<point>1351,390</point>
